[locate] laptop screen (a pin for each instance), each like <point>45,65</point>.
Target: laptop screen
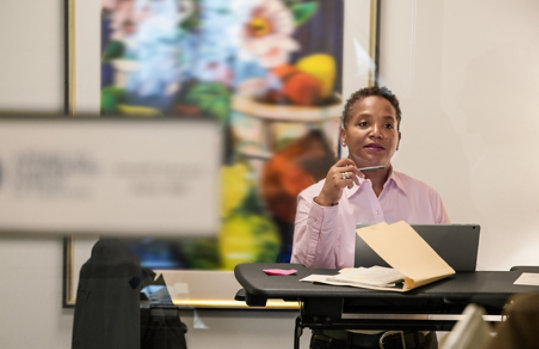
<point>457,244</point>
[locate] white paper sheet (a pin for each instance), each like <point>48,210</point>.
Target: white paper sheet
<point>531,279</point>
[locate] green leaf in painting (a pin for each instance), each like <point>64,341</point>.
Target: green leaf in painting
<point>114,49</point>
<point>201,253</point>
<point>211,98</point>
<point>192,22</point>
<point>110,97</point>
<point>303,12</point>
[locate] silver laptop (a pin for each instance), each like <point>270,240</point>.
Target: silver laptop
<point>455,243</point>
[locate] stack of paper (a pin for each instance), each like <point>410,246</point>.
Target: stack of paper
<point>376,277</point>
<point>414,263</point>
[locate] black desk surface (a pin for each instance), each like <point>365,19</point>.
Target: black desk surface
<point>490,289</point>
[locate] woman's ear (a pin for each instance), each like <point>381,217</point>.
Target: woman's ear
<point>343,136</point>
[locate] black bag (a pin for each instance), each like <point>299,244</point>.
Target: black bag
<point>107,310</point>
<point>161,328</point>
<point>160,324</point>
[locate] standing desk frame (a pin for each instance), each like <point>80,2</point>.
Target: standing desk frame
<point>327,306</point>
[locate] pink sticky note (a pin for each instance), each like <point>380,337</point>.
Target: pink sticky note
<point>280,271</point>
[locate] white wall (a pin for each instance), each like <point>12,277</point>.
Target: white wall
<point>465,73</point>
<point>31,55</point>
<point>31,79</point>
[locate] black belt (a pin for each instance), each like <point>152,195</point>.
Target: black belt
<point>336,339</point>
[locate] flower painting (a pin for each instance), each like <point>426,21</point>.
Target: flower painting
<point>269,71</point>
<point>267,34</point>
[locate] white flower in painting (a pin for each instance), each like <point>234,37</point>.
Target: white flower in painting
<point>267,33</point>
<point>122,12</point>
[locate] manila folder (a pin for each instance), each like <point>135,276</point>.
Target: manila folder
<point>406,251</point>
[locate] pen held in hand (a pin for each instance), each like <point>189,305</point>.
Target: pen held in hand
<point>371,168</point>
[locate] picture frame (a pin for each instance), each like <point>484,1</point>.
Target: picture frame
<point>213,289</point>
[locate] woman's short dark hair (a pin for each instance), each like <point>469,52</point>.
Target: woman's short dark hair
<point>383,92</point>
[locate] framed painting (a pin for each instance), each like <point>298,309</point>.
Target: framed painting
<point>273,73</point>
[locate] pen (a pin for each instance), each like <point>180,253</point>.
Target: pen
<point>371,168</point>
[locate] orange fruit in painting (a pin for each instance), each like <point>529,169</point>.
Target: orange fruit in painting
<point>303,89</point>
<point>292,169</point>
<point>299,88</point>
<point>284,70</point>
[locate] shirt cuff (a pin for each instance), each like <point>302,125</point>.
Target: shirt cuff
<point>332,204</point>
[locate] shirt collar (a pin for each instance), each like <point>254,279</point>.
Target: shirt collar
<point>394,178</point>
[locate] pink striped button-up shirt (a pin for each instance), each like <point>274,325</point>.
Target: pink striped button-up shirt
<point>324,237</point>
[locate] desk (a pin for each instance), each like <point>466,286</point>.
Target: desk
<point>324,306</point>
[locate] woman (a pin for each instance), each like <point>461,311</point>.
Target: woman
<point>328,211</point>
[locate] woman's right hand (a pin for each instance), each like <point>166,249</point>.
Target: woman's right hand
<point>343,174</point>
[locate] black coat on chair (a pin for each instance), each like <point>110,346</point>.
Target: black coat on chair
<point>107,309</point>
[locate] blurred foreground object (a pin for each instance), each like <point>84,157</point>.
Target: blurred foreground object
<point>521,329</point>
<point>118,176</point>
<point>470,332</point>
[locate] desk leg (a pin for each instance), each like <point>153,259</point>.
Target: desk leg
<point>298,331</point>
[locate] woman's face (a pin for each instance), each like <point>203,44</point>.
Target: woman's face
<point>371,133</point>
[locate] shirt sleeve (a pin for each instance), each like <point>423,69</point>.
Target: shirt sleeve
<point>315,239</point>
<point>440,214</point>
